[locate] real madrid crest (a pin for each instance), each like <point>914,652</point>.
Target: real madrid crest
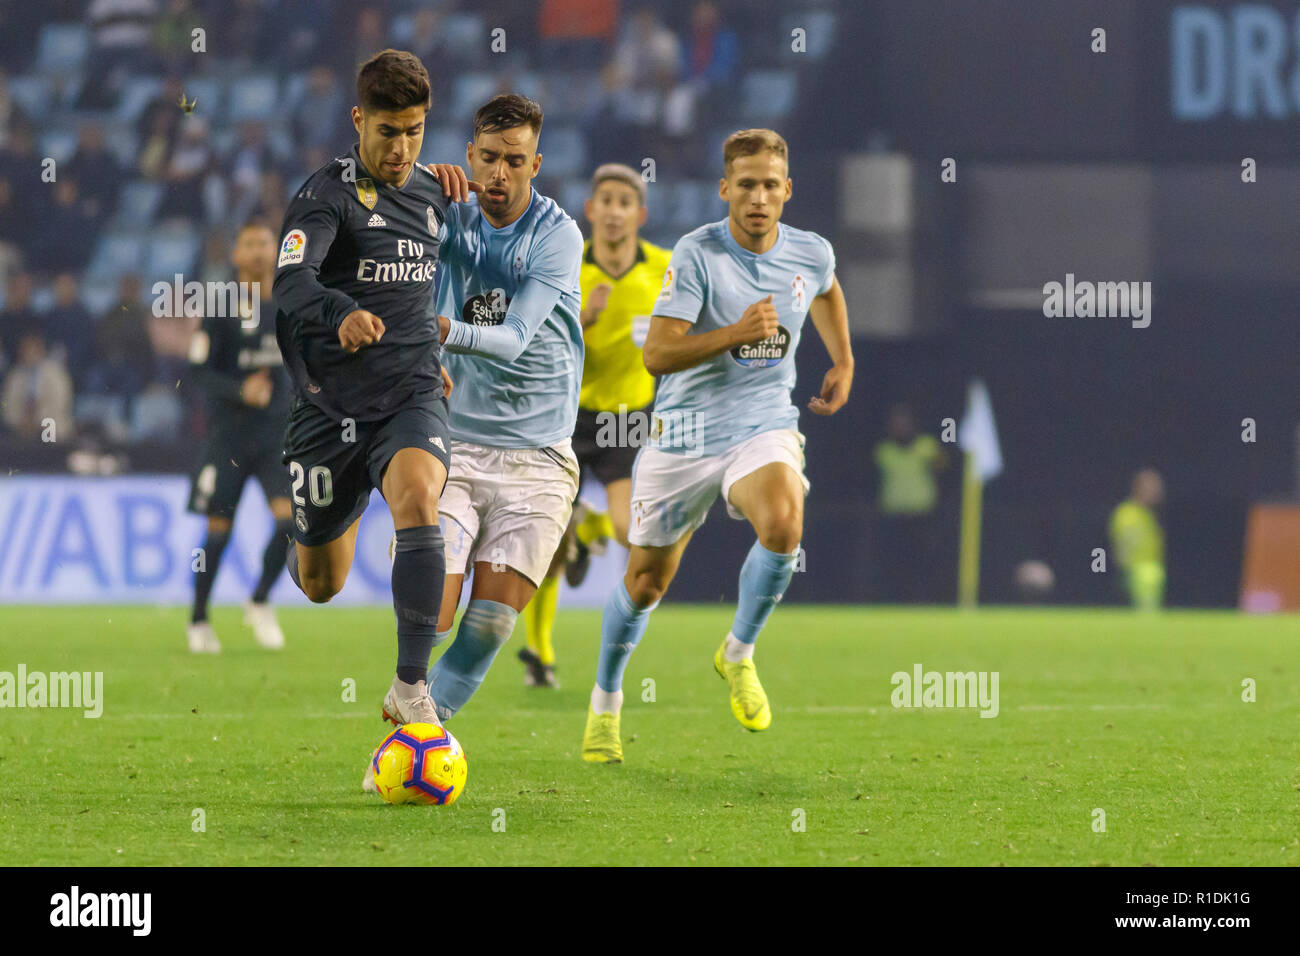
<point>433,222</point>
<point>367,193</point>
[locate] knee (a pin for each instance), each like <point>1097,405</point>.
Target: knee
<point>319,588</point>
<point>646,588</point>
<point>781,529</point>
<point>415,506</point>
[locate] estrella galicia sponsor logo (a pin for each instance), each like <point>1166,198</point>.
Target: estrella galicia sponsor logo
<point>770,351</point>
<point>486,308</point>
<point>131,910</point>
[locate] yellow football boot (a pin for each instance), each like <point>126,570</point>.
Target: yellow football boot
<point>748,700</point>
<point>600,741</point>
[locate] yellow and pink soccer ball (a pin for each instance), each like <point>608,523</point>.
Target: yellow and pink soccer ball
<point>420,763</point>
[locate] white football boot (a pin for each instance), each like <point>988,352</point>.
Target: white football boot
<point>261,618</point>
<point>410,704</point>
<point>202,638</point>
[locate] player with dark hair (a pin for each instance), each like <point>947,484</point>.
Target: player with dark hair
<point>508,309</point>
<point>353,282</point>
<point>235,361</point>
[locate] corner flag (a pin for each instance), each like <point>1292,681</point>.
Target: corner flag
<point>977,435</point>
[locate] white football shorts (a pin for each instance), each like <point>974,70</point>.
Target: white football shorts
<point>672,494</point>
<point>507,506</point>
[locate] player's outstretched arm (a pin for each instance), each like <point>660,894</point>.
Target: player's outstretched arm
<point>507,341</point>
<point>830,315</point>
<point>670,348</point>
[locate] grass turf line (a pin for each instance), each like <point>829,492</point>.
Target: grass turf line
<point>1140,716</point>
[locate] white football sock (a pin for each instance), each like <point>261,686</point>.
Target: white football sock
<point>606,702</point>
<point>736,649</point>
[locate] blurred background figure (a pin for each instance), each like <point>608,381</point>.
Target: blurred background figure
<point>37,390</point>
<point>907,539</point>
<point>1138,541</point>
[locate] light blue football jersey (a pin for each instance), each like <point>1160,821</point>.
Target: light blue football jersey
<point>532,401</point>
<point>710,282</point>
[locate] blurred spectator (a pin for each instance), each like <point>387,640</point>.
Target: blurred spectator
<point>295,27</point>
<point>714,48</point>
<point>909,497</point>
<point>123,362</point>
<point>121,43</point>
<point>169,338</point>
<point>69,328</point>
<point>64,232</point>
<point>1139,541</point>
<point>98,170</point>
<point>576,31</point>
<point>251,157</point>
<point>158,129</point>
<point>17,314</point>
<point>37,390</point>
<point>173,36</point>
<point>187,171</point>
<point>637,83</point>
<point>20,165</point>
<point>11,114</point>
<point>214,264</point>
<point>322,112</point>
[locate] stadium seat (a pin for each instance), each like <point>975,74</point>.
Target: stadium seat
<point>61,47</point>
<point>768,95</point>
<point>470,91</point>
<point>171,251</point>
<point>465,32</point>
<point>156,414</point>
<point>32,92</point>
<point>98,294</point>
<point>137,93</point>
<point>58,143</point>
<point>572,194</point>
<point>137,204</point>
<point>444,144</point>
<point>564,152</point>
<point>116,253</point>
<point>253,97</point>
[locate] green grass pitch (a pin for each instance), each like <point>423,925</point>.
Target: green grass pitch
<point>1140,717</point>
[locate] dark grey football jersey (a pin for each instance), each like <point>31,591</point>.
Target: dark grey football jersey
<point>352,242</point>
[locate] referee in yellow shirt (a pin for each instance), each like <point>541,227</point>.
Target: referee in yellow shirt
<point>621,278</point>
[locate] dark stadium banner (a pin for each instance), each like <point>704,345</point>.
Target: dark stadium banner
<point>1224,81</point>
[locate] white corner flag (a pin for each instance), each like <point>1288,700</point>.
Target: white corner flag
<point>977,435</point>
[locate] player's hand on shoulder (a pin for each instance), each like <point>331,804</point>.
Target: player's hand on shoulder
<point>835,392</point>
<point>360,328</point>
<point>454,182</point>
<point>759,322</point>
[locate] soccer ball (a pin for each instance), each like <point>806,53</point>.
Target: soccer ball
<point>420,763</point>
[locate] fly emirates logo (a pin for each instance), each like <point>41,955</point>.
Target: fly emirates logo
<point>411,266</point>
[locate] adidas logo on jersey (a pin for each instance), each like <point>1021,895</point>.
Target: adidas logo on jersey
<point>376,220</point>
<point>435,440</point>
